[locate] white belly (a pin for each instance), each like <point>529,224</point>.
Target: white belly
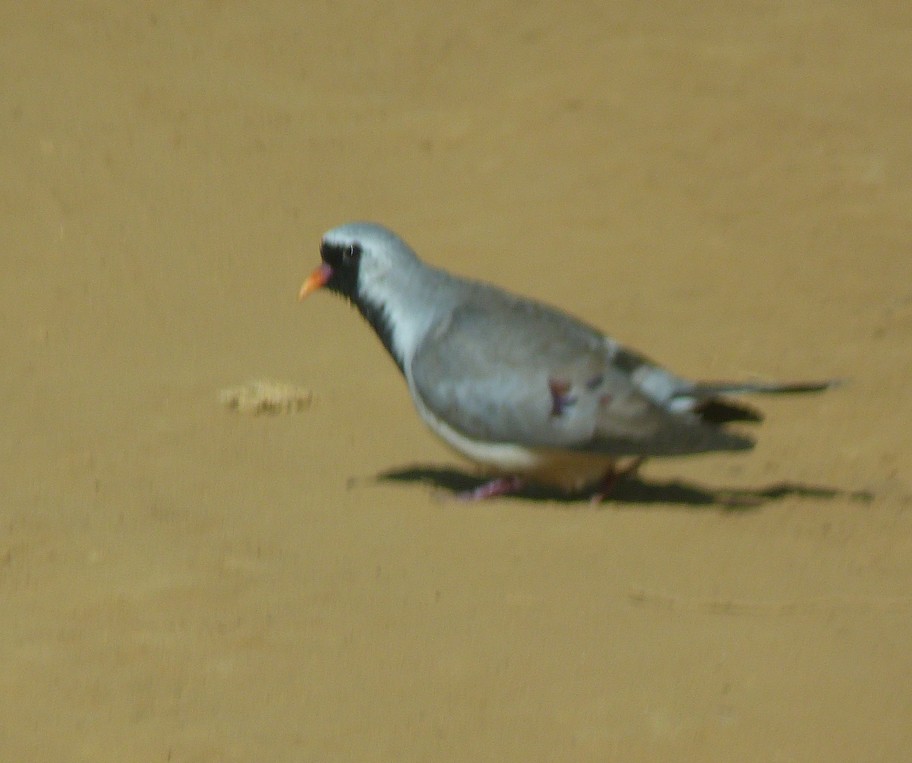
<point>565,469</point>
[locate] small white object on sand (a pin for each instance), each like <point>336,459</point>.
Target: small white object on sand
<point>266,396</point>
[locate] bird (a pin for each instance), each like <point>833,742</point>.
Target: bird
<point>524,390</point>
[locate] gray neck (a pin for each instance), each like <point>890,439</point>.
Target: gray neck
<point>402,305</point>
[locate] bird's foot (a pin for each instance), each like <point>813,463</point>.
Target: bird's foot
<point>614,475</point>
<point>499,486</point>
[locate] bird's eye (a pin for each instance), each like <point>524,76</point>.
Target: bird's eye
<point>350,252</point>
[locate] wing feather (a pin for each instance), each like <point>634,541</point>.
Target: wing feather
<point>520,372</point>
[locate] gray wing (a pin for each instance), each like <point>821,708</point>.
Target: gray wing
<point>500,369</point>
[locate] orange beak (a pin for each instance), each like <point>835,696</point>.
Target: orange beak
<point>316,280</point>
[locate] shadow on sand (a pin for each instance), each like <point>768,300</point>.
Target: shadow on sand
<point>634,490</point>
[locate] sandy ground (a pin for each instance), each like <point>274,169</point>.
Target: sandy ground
<point>728,189</point>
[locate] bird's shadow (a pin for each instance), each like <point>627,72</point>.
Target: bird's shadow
<point>633,490</point>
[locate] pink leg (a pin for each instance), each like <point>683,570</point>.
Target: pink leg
<point>612,476</point>
<point>499,486</point>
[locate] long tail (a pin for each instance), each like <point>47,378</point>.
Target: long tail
<point>710,402</point>
<point>709,389</point>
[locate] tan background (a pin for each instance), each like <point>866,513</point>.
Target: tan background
<point>728,189</point>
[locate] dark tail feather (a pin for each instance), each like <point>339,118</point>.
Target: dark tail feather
<point>708,389</point>
<point>718,410</point>
<point>712,407</point>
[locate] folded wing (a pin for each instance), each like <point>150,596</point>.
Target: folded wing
<point>520,372</point>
